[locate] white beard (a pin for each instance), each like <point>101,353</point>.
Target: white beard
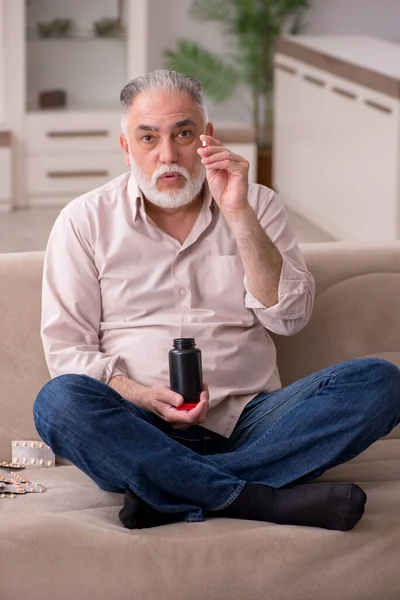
<point>172,198</point>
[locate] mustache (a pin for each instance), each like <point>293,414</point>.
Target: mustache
<point>169,169</point>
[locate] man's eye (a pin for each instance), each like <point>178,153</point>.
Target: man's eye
<point>184,134</point>
<point>148,138</point>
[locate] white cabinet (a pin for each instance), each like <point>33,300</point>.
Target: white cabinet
<point>337,134</point>
<point>75,148</point>
<point>62,152</point>
<point>70,153</point>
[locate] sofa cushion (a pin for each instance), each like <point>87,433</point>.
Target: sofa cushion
<point>69,543</point>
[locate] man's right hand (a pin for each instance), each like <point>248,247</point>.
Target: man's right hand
<point>162,401</point>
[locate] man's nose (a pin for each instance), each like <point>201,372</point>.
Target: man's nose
<point>168,152</point>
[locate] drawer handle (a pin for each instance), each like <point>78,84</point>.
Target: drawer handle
<point>377,106</point>
<point>61,174</point>
<point>314,80</point>
<point>88,133</point>
<point>344,93</point>
<point>286,69</point>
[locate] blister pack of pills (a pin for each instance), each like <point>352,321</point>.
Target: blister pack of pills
<point>11,465</point>
<point>6,496</point>
<point>32,453</point>
<point>12,485</point>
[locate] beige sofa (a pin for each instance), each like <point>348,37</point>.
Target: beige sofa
<point>68,543</point>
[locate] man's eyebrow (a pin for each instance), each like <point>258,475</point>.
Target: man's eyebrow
<point>184,123</point>
<point>147,128</point>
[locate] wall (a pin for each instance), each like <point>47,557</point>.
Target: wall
<point>2,68</point>
<point>169,20</point>
<point>379,18</point>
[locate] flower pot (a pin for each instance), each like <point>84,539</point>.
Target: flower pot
<point>264,166</point>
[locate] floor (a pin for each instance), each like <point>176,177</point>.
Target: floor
<point>28,230</point>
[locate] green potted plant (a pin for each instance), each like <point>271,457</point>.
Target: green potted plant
<point>250,28</point>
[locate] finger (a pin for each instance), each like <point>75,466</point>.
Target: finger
<point>197,414</point>
<point>210,141</point>
<point>227,165</point>
<point>171,415</point>
<point>205,395</point>
<point>194,416</point>
<point>186,416</point>
<point>209,150</point>
<point>167,396</point>
<point>223,155</point>
<point>201,417</point>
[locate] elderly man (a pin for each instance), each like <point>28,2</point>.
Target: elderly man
<point>182,246</point>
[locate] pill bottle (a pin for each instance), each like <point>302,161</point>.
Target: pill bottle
<point>185,371</point>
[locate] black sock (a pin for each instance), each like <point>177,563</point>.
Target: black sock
<point>329,505</point>
<point>137,514</point>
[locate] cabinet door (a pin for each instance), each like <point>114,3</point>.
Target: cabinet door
<point>336,152</point>
<point>297,120</point>
<point>70,132</point>
<point>72,174</point>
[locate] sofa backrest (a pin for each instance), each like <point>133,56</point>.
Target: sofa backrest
<point>356,314</point>
<point>23,369</point>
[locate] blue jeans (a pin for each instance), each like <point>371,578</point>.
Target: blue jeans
<point>284,437</point>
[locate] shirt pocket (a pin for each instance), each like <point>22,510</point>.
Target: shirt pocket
<point>221,289</point>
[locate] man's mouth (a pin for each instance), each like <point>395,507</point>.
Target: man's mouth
<point>170,177</point>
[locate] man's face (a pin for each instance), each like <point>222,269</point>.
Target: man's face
<point>160,145</point>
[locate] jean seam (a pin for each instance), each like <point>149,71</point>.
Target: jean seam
<point>231,498</point>
<point>275,424</point>
<point>237,429</point>
<point>116,394</point>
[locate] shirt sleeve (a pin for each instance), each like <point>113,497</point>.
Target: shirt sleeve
<point>71,306</point>
<point>296,289</point>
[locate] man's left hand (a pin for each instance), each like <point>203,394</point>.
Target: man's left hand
<point>227,176</point>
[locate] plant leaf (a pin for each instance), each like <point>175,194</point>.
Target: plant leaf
<point>217,77</point>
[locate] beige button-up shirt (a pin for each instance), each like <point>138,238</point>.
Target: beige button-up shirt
<point>117,290</point>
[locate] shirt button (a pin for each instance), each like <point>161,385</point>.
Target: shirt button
<point>182,292</point>
<point>185,320</point>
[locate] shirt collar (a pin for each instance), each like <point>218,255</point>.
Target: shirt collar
<point>137,202</point>
<point>135,196</point>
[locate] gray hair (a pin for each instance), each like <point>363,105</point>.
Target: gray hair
<point>161,80</point>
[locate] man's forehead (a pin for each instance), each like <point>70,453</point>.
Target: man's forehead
<point>164,106</point>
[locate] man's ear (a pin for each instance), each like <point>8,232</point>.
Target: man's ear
<point>123,142</point>
<point>210,129</point>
